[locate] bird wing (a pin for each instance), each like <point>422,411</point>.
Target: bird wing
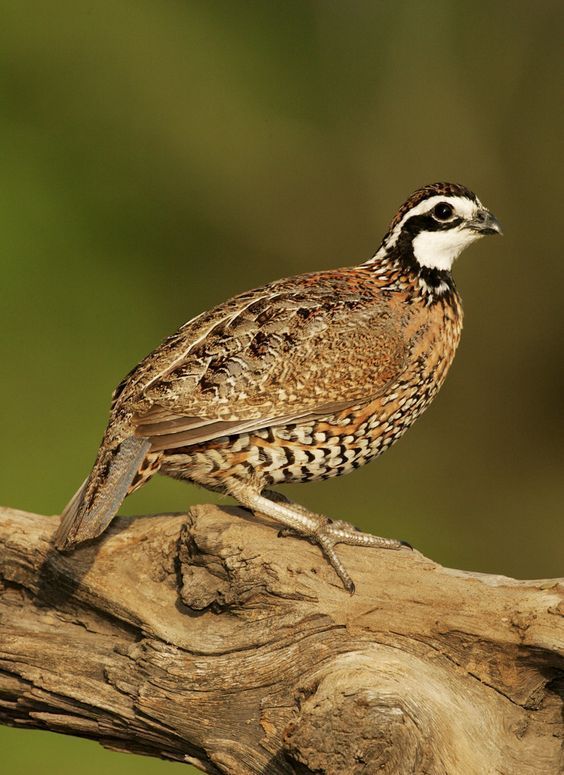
<point>294,351</point>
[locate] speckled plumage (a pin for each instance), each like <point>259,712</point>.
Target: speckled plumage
<point>339,381</point>
<point>303,379</point>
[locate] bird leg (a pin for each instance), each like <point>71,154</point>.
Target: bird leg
<point>314,527</point>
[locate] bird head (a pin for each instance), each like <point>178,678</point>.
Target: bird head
<point>436,223</point>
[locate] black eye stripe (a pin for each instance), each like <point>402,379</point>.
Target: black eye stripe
<point>452,224</point>
<point>419,223</point>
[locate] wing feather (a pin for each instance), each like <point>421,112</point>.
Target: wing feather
<point>293,351</point>
<point>187,431</point>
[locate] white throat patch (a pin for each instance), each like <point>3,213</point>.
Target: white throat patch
<point>439,249</point>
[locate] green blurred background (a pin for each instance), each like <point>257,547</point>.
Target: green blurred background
<point>157,157</point>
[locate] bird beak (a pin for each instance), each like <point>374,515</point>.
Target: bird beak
<point>485,222</point>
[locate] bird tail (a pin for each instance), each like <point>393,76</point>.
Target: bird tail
<point>94,505</point>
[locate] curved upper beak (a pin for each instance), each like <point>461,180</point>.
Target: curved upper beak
<point>485,223</point>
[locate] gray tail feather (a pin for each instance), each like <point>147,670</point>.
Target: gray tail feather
<point>94,505</point>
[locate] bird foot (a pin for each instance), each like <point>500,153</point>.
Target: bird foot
<point>331,533</point>
<point>317,529</point>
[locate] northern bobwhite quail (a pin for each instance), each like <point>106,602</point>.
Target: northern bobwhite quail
<point>303,379</point>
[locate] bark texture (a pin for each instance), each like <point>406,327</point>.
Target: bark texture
<point>207,639</point>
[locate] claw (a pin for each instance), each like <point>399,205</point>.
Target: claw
<point>286,532</point>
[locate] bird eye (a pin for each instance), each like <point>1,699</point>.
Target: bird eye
<point>443,211</point>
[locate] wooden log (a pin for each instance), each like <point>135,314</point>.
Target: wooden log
<point>207,639</point>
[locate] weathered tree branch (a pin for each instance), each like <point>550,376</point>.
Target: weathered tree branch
<point>211,641</point>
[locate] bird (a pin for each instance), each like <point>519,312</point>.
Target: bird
<point>302,379</point>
